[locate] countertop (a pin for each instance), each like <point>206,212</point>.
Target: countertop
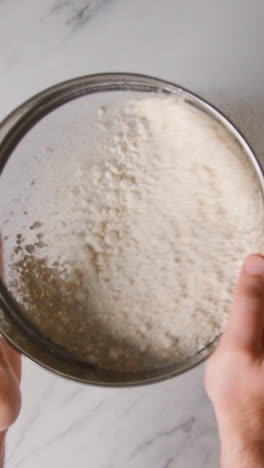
<point>211,47</point>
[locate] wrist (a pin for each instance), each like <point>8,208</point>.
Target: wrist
<point>243,455</point>
<point>2,448</point>
<point>241,444</point>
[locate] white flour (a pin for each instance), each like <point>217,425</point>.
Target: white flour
<point>159,230</point>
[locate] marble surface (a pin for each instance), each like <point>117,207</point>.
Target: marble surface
<point>211,47</point>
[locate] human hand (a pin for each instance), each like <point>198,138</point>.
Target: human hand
<point>10,377</point>
<point>235,373</point>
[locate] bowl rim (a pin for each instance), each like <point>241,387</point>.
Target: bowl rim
<point>12,129</point>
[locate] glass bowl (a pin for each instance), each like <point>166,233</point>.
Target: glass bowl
<point>14,326</point>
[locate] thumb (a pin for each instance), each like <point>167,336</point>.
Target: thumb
<point>245,327</point>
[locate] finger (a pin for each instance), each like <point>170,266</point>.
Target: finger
<point>246,320</point>
<point>10,396</point>
<point>13,357</point>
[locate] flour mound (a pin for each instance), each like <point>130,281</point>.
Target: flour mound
<point>160,227</point>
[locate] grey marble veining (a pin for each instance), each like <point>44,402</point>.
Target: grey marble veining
<point>78,12</point>
<point>168,424</point>
<point>211,47</point>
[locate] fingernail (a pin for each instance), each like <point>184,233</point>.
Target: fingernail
<point>254,265</point>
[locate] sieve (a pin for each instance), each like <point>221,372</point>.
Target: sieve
<point>18,330</point>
